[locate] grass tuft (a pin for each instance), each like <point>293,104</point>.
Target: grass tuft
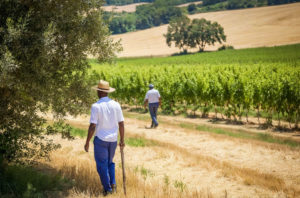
<point>135,141</point>
<point>138,141</point>
<point>243,134</point>
<point>78,132</point>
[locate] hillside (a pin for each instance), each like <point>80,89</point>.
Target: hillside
<point>246,28</point>
<point>125,8</point>
<point>132,7</point>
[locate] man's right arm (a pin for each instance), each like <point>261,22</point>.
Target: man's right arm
<point>121,131</point>
<point>145,103</point>
<point>91,132</point>
<point>146,100</point>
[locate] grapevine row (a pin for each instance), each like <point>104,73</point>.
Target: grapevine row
<point>233,91</point>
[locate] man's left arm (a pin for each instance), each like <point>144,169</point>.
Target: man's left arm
<point>91,132</point>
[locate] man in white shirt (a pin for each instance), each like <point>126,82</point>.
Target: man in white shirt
<point>154,100</point>
<point>106,119</point>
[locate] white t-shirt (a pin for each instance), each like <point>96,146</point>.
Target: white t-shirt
<point>152,95</point>
<point>106,114</point>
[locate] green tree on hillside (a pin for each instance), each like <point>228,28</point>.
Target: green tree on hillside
<point>178,32</point>
<point>43,67</point>
<point>192,8</point>
<point>198,33</point>
<point>204,32</point>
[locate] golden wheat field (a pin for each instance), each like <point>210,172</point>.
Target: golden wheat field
<point>132,7</point>
<point>182,162</point>
<point>246,28</point>
<point>125,8</point>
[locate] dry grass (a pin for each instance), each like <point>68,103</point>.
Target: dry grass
<point>81,169</point>
<point>87,184</point>
<point>256,176</point>
<point>189,126</point>
<point>246,28</point>
<point>249,176</point>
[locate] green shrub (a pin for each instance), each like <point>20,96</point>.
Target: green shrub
<point>225,47</point>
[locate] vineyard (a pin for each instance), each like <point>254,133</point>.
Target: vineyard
<point>233,83</point>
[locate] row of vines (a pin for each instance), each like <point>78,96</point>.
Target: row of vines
<point>231,91</point>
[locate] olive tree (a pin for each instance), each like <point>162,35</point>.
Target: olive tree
<point>197,33</point>
<point>204,32</point>
<point>178,32</point>
<point>44,68</point>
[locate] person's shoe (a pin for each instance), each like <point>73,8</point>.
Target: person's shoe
<point>152,125</point>
<point>156,126</point>
<point>105,193</point>
<point>114,188</point>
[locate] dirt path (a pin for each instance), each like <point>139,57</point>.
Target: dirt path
<point>201,161</point>
<point>252,126</point>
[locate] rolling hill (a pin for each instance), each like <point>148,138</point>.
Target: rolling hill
<point>246,28</point>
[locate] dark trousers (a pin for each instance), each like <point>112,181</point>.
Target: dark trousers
<point>153,112</point>
<point>104,153</point>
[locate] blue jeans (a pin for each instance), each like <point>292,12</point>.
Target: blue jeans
<point>104,153</point>
<point>153,112</point>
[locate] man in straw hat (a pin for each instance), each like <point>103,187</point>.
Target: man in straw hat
<point>106,119</point>
<point>154,100</point>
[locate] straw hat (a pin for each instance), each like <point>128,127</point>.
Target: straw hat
<point>104,86</point>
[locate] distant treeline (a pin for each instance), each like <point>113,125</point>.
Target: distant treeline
<point>232,3</point>
<point>145,16</point>
<point>162,11</point>
<point>125,2</point>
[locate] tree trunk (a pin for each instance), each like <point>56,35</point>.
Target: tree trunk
<point>258,114</point>
<point>278,118</point>
<point>297,120</point>
<point>216,112</point>
<point>240,116</point>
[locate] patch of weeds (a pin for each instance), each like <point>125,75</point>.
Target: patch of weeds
<point>187,126</point>
<point>166,180</point>
<point>78,132</point>
<point>135,116</point>
<point>144,172</point>
<point>139,142</point>
<point>247,135</point>
<point>269,138</point>
<point>180,185</point>
<point>143,118</point>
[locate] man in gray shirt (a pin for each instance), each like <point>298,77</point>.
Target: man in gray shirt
<point>154,100</point>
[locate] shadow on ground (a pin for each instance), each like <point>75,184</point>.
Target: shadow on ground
<point>32,181</point>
